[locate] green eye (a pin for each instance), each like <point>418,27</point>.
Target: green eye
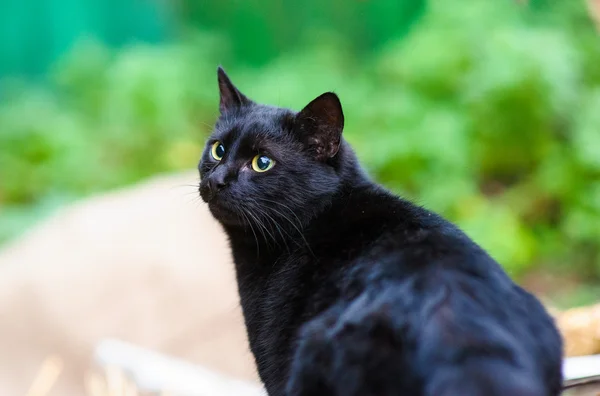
<point>217,151</point>
<point>262,163</point>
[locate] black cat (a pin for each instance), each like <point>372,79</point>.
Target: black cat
<point>348,290</point>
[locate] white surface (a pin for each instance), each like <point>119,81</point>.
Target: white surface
<point>579,367</point>
<point>153,372</point>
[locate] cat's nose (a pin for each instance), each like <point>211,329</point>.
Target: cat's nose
<point>215,183</point>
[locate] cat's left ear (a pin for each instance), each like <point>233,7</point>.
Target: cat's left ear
<point>320,124</point>
<point>230,96</point>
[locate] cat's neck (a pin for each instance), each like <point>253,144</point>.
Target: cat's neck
<point>348,168</point>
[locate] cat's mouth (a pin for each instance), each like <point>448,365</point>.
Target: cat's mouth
<point>224,212</point>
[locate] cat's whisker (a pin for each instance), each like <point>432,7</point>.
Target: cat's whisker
<point>267,222</point>
<point>295,226</point>
<point>260,225</point>
<point>185,185</point>
<point>284,206</point>
<point>253,232</point>
<point>279,229</point>
<point>255,208</point>
<point>195,199</point>
<point>194,193</point>
<point>210,127</point>
<point>195,186</point>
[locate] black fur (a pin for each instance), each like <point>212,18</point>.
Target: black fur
<point>348,290</point>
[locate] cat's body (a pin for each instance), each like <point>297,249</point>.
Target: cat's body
<point>348,290</point>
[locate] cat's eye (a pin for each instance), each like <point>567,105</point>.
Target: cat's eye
<point>217,151</point>
<point>262,163</point>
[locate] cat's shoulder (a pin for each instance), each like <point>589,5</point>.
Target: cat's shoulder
<point>373,203</point>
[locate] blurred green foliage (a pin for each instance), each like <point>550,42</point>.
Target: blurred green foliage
<point>35,33</point>
<point>260,30</point>
<point>486,111</point>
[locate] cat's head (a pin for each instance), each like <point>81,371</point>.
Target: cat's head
<point>268,164</point>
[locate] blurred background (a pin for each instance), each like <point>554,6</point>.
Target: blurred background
<point>486,111</point>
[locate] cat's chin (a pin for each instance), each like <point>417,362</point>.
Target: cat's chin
<point>223,214</point>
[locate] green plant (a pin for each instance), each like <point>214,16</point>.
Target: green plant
<point>485,111</point>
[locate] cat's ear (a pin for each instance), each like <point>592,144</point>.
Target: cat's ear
<point>230,96</point>
<point>320,125</point>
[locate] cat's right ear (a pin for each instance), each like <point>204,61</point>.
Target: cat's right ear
<point>230,96</point>
<point>320,124</point>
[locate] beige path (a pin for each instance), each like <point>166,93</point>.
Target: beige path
<point>147,265</point>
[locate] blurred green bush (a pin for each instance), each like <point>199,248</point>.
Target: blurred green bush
<point>485,111</point>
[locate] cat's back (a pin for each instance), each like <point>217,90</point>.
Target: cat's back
<point>370,224</point>
<point>403,253</point>
<point>417,300</point>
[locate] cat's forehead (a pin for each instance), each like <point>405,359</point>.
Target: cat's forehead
<point>257,122</point>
